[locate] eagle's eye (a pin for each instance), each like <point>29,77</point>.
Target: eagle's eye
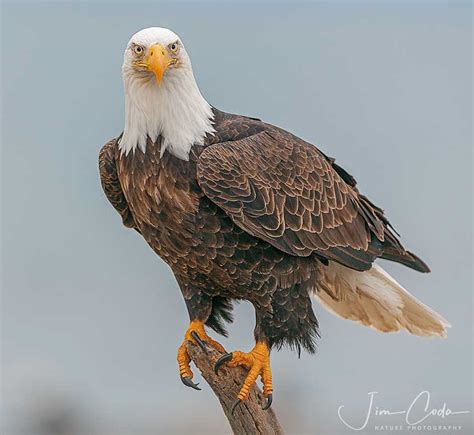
<point>173,47</point>
<point>138,49</point>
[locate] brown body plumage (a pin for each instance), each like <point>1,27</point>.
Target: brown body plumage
<point>253,215</point>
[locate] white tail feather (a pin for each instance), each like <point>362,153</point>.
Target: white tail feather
<point>375,299</point>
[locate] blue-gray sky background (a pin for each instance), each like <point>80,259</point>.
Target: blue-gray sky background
<point>91,318</point>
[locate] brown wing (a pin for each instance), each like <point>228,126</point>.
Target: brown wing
<point>285,191</point>
<point>111,184</point>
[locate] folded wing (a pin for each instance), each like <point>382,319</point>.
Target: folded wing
<point>285,191</point>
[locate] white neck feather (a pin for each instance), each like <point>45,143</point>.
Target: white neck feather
<point>174,110</point>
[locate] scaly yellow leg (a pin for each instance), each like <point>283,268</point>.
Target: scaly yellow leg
<point>257,361</point>
<point>195,334</point>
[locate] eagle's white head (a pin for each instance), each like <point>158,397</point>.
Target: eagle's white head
<point>161,95</point>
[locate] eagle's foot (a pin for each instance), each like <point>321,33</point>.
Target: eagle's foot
<point>195,334</point>
<point>257,361</point>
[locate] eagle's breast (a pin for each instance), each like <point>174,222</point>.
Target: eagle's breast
<point>163,196</point>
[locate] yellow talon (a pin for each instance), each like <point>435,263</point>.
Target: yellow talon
<point>195,327</point>
<point>183,361</point>
<point>257,361</point>
<point>198,327</point>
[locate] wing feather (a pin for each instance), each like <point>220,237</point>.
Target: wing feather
<point>285,191</point>
<point>111,184</point>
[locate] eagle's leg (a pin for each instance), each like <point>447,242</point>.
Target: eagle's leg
<point>195,334</point>
<point>257,361</point>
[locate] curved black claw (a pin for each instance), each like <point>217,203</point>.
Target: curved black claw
<point>236,403</point>
<point>189,383</point>
<point>222,360</point>
<point>269,402</point>
<point>201,343</point>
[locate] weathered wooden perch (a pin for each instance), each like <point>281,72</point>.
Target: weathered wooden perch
<point>248,418</point>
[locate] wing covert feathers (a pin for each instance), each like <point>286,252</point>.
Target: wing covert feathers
<point>111,184</point>
<point>285,191</point>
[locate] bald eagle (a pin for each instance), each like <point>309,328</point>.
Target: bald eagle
<point>242,210</point>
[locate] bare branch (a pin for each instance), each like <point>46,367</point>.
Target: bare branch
<point>248,418</point>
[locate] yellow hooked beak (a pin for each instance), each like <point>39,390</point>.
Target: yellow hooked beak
<point>157,61</point>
